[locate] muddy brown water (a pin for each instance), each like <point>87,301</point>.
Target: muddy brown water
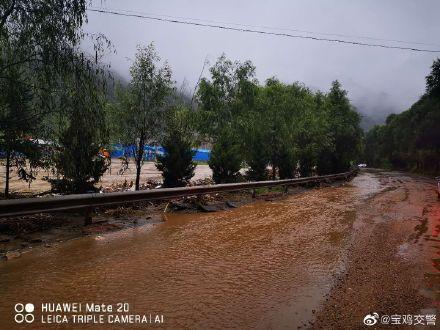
<point>265,265</point>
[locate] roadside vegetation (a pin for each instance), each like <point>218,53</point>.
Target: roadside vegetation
<point>61,110</point>
<point>410,140</point>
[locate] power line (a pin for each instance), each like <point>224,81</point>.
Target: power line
<point>272,27</point>
<point>262,32</point>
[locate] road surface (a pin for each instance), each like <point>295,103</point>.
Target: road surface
<point>324,258</point>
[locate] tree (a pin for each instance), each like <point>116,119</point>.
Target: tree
<point>39,39</point>
<point>223,102</point>
<point>346,134</point>
<point>141,109</point>
<point>313,134</point>
<point>255,147</point>
<point>275,113</point>
<point>15,126</point>
<point>176,163</point>
<point>433,79</point>
<point>78,159</point>
<point>292,127</point>
<point>226,157</point>
<point>39,42</point>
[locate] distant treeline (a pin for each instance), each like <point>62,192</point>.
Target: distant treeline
<point>410,140</point>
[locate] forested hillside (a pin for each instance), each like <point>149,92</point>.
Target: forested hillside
<point>411,139</point>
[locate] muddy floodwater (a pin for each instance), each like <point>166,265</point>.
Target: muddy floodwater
<point>263,265</point>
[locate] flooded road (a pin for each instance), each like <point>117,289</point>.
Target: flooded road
<point>264,265</point>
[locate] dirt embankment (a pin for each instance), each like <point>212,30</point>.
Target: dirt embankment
<point>393,260</point>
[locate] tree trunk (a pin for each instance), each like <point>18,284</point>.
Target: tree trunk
<point>8,165</point>
<point>140,155</point>
<point>138,173</point>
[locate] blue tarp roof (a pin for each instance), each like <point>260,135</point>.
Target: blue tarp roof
<point>118,150</point>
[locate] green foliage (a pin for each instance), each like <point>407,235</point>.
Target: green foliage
<point>345,132</point>
<point>176,164</point>
<point>77,159</point>
<point>58,86</point>
<point>433,79</point>
<point>226,157</point>
<point>229,94</point>
<point>15,110</point>
<point>287,127</point>
<point>224,103</point>
<point>139,110</point>
<point>16,123</point>
<point>411,139</point>
<point>255,150</point>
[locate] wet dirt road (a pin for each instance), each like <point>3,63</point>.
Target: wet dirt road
<point>311,257</point>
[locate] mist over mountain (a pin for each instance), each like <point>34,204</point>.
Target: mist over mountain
<point>375,108</point>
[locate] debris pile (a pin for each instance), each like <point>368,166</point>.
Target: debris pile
<point>129,186</point>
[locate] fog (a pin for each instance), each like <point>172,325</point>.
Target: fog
<point>378,80</point>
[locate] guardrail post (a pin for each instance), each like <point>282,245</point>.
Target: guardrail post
<point>286,189</point>
<point>87,212</point>
<point>254,193</point>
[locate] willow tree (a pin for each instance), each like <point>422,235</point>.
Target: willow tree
<point>40,49</point>
<point>140,109</point>
<point>15,112</point>
<point>37,39</point>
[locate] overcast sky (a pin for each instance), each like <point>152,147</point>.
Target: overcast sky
<point>376,79</point>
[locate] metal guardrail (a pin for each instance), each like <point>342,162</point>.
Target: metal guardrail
<point>25,206</point>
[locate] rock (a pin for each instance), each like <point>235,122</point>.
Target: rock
<point>180,206</point>
<point>208,208</point>
<point>36,240</point>
<point>12,255</point>
<point>231,204</point>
